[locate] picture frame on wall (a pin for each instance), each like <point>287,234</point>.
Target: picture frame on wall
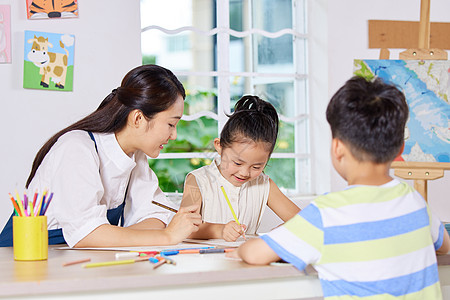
<point>48,61</point>
<point>5,34</point>
<point>44,9</point>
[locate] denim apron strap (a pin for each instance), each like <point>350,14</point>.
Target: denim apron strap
<point>115,214</point>
<point>6,237</point>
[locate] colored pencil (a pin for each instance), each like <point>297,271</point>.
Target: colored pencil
<point>19,202</point>
<point>159,263</point>
<point>39,206</point>
<point>47,203</point>
<point>232,211</point>
<point>43,201</point>
<point>16,207</point>
<point>218,250</point>
<point>135,254</point>
<point>29,208</point>
<point>76,262</point>
<point>27,204</point>
<point>115,262</point>
<point>153,260</point>
<point>35,198</point>
<point>21,205</point>
<point>165,206</point>
<point>170,261</point>
<point>126,255</point>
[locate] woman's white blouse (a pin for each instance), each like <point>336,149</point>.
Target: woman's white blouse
<point>86,184</point>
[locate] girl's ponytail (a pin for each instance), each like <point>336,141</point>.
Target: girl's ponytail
<point>253,119</point>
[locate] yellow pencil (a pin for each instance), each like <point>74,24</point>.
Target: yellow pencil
<point>19,202</point>
<point>232,210</point>
<point>116,262</point>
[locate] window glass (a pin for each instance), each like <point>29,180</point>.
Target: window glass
<point>266,55</point>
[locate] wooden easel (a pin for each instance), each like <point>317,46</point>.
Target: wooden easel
<point>416,37</point>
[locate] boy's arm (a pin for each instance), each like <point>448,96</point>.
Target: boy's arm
<point>281,205</point>
<point>256,252</point>
<point>445,247</point>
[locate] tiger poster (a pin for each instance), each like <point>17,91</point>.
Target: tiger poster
<point>48,61</point>
<point>45,9</point>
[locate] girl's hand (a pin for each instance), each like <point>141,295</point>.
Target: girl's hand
<point>231,231</point>
<point>185,222</point>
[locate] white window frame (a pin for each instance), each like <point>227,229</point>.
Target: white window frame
<point>317,89</point>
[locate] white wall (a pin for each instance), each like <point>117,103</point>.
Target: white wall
<point>348,39</point>
<point>107,45</point>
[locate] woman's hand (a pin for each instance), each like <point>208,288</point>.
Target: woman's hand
<point>231,231</point>
<point>185,222</point>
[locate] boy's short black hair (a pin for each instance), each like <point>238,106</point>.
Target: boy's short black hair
<point>370,117</point>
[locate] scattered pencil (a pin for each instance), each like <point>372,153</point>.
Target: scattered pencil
<point>126,255</point>
<point>115,262</point>
<point>165,206</point>
<point>159,263</point>
<point>170,261</point>
<point>217,250</point>
<point>76,262</point>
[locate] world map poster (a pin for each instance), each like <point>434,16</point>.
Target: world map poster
<point>426,85</point>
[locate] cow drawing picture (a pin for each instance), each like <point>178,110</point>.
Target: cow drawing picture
<point>48,61</point>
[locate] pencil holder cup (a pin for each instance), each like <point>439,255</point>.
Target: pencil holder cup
<point>30,238</point>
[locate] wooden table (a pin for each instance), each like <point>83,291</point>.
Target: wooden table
<point>195,276</point>
<point>198,276</point>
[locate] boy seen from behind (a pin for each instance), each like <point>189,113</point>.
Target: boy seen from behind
<point>377,238</point>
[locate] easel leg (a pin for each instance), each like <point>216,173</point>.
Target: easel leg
<point>421,186</point>
<point>384,53</point>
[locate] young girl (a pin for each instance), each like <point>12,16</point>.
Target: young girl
<point>98,166</point>
<point>245,145</point>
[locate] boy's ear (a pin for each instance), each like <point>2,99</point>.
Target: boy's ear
<point>337,148</point>
<point>217,146</point>
<point>401,150</point>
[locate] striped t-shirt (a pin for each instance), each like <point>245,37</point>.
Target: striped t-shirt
<point>366,241</point>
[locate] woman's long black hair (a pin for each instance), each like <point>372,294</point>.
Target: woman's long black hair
<point>148,88</point>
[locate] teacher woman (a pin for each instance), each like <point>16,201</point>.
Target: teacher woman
<point>99,173</point>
